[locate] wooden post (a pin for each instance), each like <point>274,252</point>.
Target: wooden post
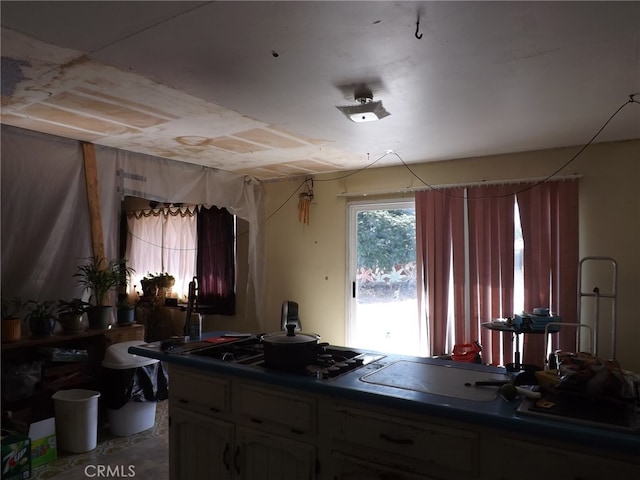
<point>93,199</point>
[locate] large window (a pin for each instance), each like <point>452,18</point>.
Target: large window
<point>163,240</point>
<point>186,242</point>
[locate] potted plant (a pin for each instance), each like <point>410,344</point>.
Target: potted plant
<point>41,317</point>
<point>11,309</point>
<point>71,313</point>
<point>125,311</point>
<point>100,276</point>
<point>149,286</point>
<point>157,284</point>
<point>165,280</point>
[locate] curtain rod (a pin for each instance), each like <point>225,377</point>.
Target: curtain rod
<point>459,185</point>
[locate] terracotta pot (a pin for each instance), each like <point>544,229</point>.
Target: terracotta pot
<point>11,329</point>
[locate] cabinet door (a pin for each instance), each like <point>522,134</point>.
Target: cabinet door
<point>201,447</point>
<point>346,467</point>
<point>263,456</point>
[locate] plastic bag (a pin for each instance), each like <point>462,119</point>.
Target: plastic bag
<point>19,380</point>
<point>141,384</point>
<point>585,374</point>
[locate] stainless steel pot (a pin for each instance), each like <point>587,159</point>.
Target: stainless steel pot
<point>290,350</point>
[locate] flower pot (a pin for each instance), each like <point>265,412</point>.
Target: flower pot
<point>42,326</point>
<point>71,322</point>
<point>149,288</point>
<point>126,316</point>
<point>11,330</point>
<point>99,317</point>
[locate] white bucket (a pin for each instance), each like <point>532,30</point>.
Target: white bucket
<point>132,417</point>
<point>76,419</point>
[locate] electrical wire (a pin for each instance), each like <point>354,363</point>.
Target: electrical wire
<point>130,35</point>
<point>431,187</point>
<point>366,167</point>
<point>533,185</point>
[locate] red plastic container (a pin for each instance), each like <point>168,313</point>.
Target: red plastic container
<point>467,352</point>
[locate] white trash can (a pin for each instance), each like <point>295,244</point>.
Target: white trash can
<point>132,417</point>
<point>76,413</point>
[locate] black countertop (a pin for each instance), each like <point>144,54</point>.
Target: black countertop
<point>488,410</point>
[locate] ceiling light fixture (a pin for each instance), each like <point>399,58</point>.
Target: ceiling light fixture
<point>367,110</point>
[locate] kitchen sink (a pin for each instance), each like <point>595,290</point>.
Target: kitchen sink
<point>586,412</point>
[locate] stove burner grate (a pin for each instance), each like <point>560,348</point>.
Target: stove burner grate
<point>330,362</point>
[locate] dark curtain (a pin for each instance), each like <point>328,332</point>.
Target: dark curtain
<point>216,262</point>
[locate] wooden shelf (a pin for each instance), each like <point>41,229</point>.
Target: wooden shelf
<point>115,334</point>
<point>60,375</point>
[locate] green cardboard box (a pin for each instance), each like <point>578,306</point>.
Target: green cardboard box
<point>43,442</point>
<point>16,456</point>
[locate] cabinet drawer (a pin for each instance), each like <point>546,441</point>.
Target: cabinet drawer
<point>282,410</point>
<point>200,392</point>
<point>551,461</point>
<point>440,445</point>
<point>348,467</point>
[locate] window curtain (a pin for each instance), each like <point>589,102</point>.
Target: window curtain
<point>438,216</point>
<point>216,261</point>
<point>163,240</point>
<point>549,216</point>
<point>491,268</point>
<point>479,253</point>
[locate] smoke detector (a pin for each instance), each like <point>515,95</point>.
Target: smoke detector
<point>367,110</point>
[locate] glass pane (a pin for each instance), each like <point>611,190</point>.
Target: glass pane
<point>518,264</point>
<point>386,312</point>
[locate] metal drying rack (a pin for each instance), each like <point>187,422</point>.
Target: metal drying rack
<point>596,294</point>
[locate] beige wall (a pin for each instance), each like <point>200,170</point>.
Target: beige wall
<point>306,263</point>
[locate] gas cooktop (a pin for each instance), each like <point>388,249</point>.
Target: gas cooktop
<point>330,361</point>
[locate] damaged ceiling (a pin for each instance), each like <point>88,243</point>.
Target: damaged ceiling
<point>252,87</point>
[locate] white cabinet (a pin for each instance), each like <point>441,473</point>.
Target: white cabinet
<point>225,429</point>
<point>348,467</point>
<point>263,456</point>
<point>516,459</point>
<point>200,447</point>
<point>276,433</point>
<point>199,392</point>
<point>228,428</point>
<point>278,411</point>
<point>405,445</point>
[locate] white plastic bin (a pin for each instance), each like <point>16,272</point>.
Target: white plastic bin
<point>132,417</point>
<point>76,419</point>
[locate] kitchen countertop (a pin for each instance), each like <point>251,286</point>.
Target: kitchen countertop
<point>490,412</point>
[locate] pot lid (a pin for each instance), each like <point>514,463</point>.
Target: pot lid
<point>290,336</point>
